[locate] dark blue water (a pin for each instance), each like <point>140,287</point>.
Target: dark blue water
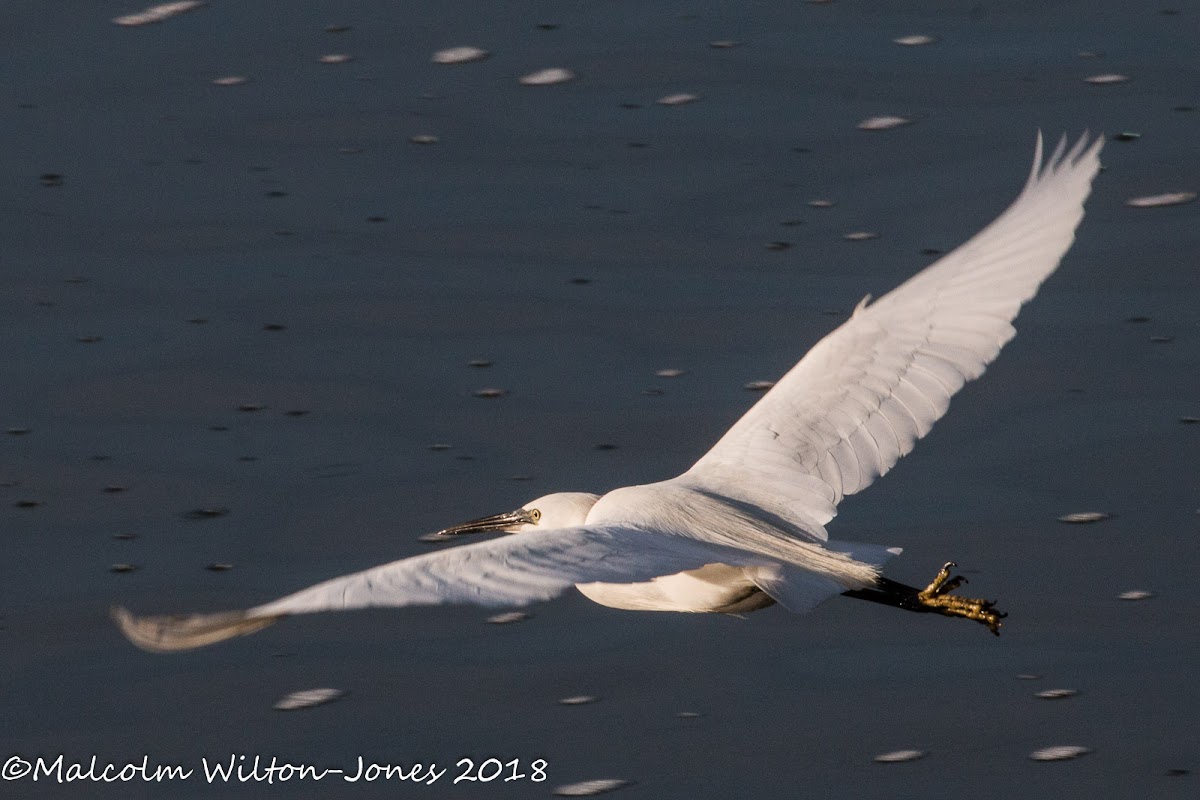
<point>181,201</point>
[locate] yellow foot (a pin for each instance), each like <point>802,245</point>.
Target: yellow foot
<point>936,597</point>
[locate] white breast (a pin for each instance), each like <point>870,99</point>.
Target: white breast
<point>715,588</point>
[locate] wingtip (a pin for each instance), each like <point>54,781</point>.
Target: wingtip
<point>169,634</point>
<point>1060,149</point>
<point>1097,146</point>
<point>1038,150</point>
<point>1084,148</point>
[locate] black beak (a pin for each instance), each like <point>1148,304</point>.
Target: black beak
<point>496,522</point>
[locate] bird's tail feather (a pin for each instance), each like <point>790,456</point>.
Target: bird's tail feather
<point>169,634</point>
<point>874,554</point>
<point>800,590</point>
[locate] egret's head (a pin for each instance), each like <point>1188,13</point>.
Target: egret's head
<point>559,510</point>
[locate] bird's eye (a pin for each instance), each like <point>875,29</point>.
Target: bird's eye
<point>535,515</point>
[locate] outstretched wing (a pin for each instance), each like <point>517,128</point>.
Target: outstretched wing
<point>863,396</point>
<point>512,570</point>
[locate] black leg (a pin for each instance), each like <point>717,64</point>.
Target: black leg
<point>891,593</point>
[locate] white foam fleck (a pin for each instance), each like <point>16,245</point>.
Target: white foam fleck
<point>679,99</point>
<point>915,40</point>
<point>899,756</point>
<point>1158,200</point>
<point>464,54</point>
<point>1059,753</point>
<point>548,77</point>
<point>590,788</point>
<point>883,123</point>
<point>1084,517</point>
<point>159,13</point>
<point>307,698</point>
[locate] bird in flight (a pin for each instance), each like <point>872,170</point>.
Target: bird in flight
<point>744,527</point>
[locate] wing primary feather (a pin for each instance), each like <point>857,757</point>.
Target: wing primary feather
<point>899,359</point>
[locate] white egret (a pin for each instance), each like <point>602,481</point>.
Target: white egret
<point>745,526</point>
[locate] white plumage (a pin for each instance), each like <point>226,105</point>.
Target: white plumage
<point>745,525</point>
